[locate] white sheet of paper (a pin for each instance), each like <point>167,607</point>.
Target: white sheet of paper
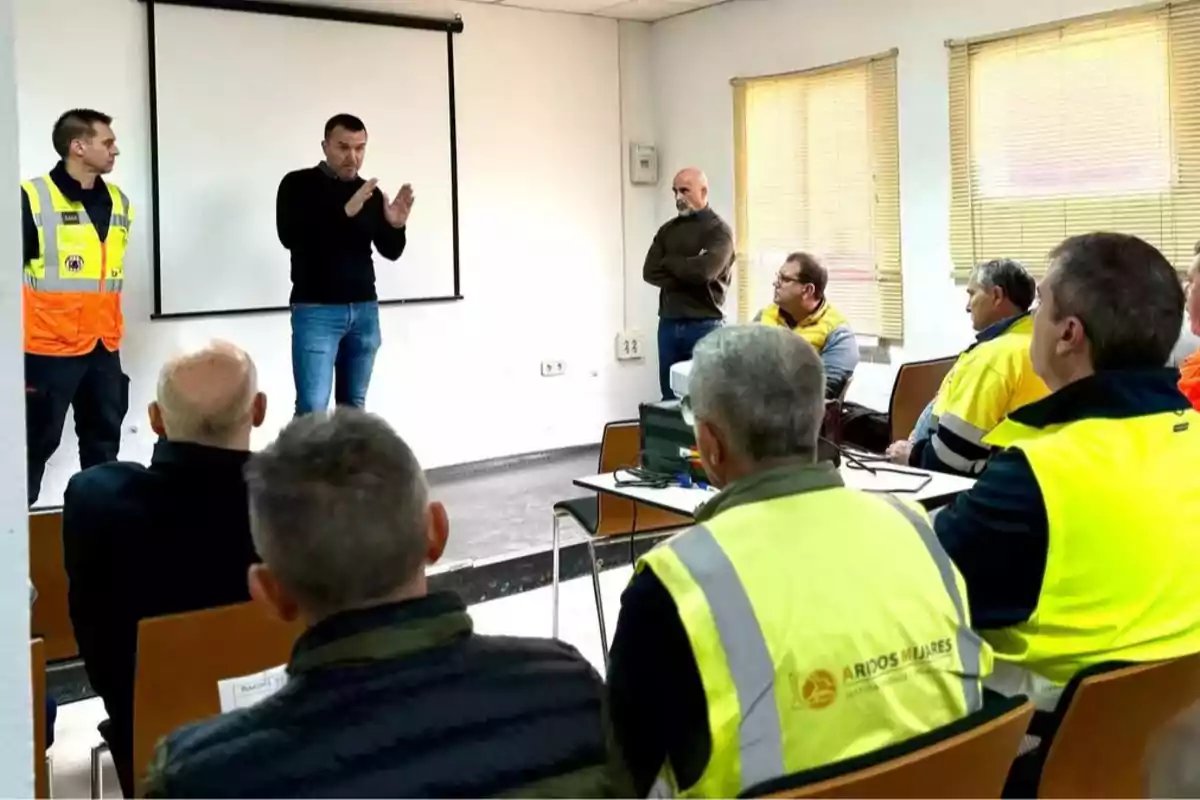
<point>247,690</point>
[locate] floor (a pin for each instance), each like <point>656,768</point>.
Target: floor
<point>504,510</point>
<point>526,614</point>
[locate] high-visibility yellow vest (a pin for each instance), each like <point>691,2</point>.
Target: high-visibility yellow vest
<point>987,383</point>
<point>825,625</point>
<point>72,290</point>
<point>1123,509</point>
<point>815,328</point>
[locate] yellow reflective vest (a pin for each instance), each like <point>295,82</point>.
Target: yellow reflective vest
<point>825,623</point>
<point>814,329</point>
<point>987,383</point>
<point>72,290</point>
<point>1123,510</point>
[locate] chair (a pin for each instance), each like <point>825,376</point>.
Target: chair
<point>1106,717</point>
<point>180,659</point>
<point>41,761</point>
<point>969,758</point>
<point>831,426</point>
<point>51,618</point>
<point>916,384</point>
<point>605,516</point>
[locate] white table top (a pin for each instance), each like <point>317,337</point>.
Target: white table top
<point>940,490</point>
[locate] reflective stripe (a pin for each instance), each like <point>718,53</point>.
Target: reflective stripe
<point>953,460</point>
<point>969,644</point>
<point>760,736</point>
<point>48,221</point>
<point>963,429</point>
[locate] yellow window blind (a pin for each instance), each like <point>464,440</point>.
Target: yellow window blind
<point>1085,125</point>
<point>817,169</point>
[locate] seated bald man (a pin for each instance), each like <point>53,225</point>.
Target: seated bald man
<point>174,536</point>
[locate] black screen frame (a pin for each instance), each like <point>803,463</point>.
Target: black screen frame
<point>284,9</point>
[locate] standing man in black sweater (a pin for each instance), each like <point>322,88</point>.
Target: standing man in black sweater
<point>328,217</point>
<point>690,261</point>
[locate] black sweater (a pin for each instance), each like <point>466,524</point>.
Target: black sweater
<point>331,253</point>
<point>690,261</point>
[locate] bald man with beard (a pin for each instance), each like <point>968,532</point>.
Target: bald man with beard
<point>690,261</point>
<point>174,536</point>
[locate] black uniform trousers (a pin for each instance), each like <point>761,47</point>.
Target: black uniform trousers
<point>98,391</point>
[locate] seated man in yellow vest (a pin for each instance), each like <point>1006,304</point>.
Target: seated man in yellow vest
<point>990,380</point>
<point>1079,543</point>
<point>799,623</point>
<point>800,306</point>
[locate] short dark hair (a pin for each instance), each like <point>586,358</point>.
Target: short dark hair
<point>1010,277</point>
<point>337,510</point>
<point>78,123</point>
<point>347,121</point>
<point>1126,294</point>
<point>811,271</point>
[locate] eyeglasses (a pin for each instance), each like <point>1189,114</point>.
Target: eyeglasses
<point>781,278</point>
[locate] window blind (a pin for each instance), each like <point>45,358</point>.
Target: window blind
<point>817,168</point>
<point>1090,124</point>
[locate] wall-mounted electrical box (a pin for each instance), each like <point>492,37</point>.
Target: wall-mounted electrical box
<point>643,164</point>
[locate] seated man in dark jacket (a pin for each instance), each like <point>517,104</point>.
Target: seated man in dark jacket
<point>171,537</point>
<point>389,692</point>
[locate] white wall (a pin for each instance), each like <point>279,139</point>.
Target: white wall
<point>541,218</point>
<point>16,718</point>
<point>695,56</point>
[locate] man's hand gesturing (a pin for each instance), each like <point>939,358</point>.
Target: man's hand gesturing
<point>355,203</point>
<point>396,211</point>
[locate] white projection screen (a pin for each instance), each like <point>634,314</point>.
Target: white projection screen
<point>240,93</point>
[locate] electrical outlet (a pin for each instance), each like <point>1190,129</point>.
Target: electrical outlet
<point>552,367</point>
<point>630,346</point>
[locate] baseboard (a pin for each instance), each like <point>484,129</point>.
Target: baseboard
<point>453,472</point>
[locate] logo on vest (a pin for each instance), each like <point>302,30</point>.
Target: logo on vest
<point>69,217</point>
<point>894,667</point>
<point>74,263</point>
<point>819,690</point>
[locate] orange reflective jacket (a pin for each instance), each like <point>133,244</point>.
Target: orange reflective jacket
<point>72,291</point>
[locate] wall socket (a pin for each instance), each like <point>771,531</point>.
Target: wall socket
<point>552,367</point>
<point>630,346</point>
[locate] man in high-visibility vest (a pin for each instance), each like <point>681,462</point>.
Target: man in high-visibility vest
<point>799,623</point>
<point>75,231</point>
<point>802,307</point>
<point>1079,541</point>
<point>991,379</point>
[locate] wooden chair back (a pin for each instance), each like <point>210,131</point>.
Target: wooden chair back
<point>37,669</point>
<point>831,426</point>
<point>968,759</point>
<point>51,617</point>
<point>1108,716</point>
<point>916,384</point>
<point>181,657</point>
<point>620,448</point>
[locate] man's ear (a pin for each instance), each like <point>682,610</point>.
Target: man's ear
<point>1073,338</point>
<point>265,590</point>
<point>258,409</point>
<point>437,532</point>
<point>997,295</point>
<point>156,421</point>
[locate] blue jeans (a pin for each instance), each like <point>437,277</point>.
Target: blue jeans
<point>676,339</point>
<point>328,339</point>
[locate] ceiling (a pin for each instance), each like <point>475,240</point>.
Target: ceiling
<point>644,10</point>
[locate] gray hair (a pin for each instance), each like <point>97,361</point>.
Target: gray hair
<point>337,509</point>
<point>764,386</point>
<point>1011,277</point>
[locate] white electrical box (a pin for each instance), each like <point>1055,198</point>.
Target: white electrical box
<point>643,164</point>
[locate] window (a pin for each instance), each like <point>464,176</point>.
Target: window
<point>817,169</point>
<point>1090,124</point>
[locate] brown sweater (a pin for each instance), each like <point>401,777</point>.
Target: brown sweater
<point>690,261</point>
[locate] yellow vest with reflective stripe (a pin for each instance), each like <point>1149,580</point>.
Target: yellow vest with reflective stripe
<point>815,328</point>
<point>1123,507</point>
<point>986,384</point>
<point>72,289</point>
<point>825,625</point>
